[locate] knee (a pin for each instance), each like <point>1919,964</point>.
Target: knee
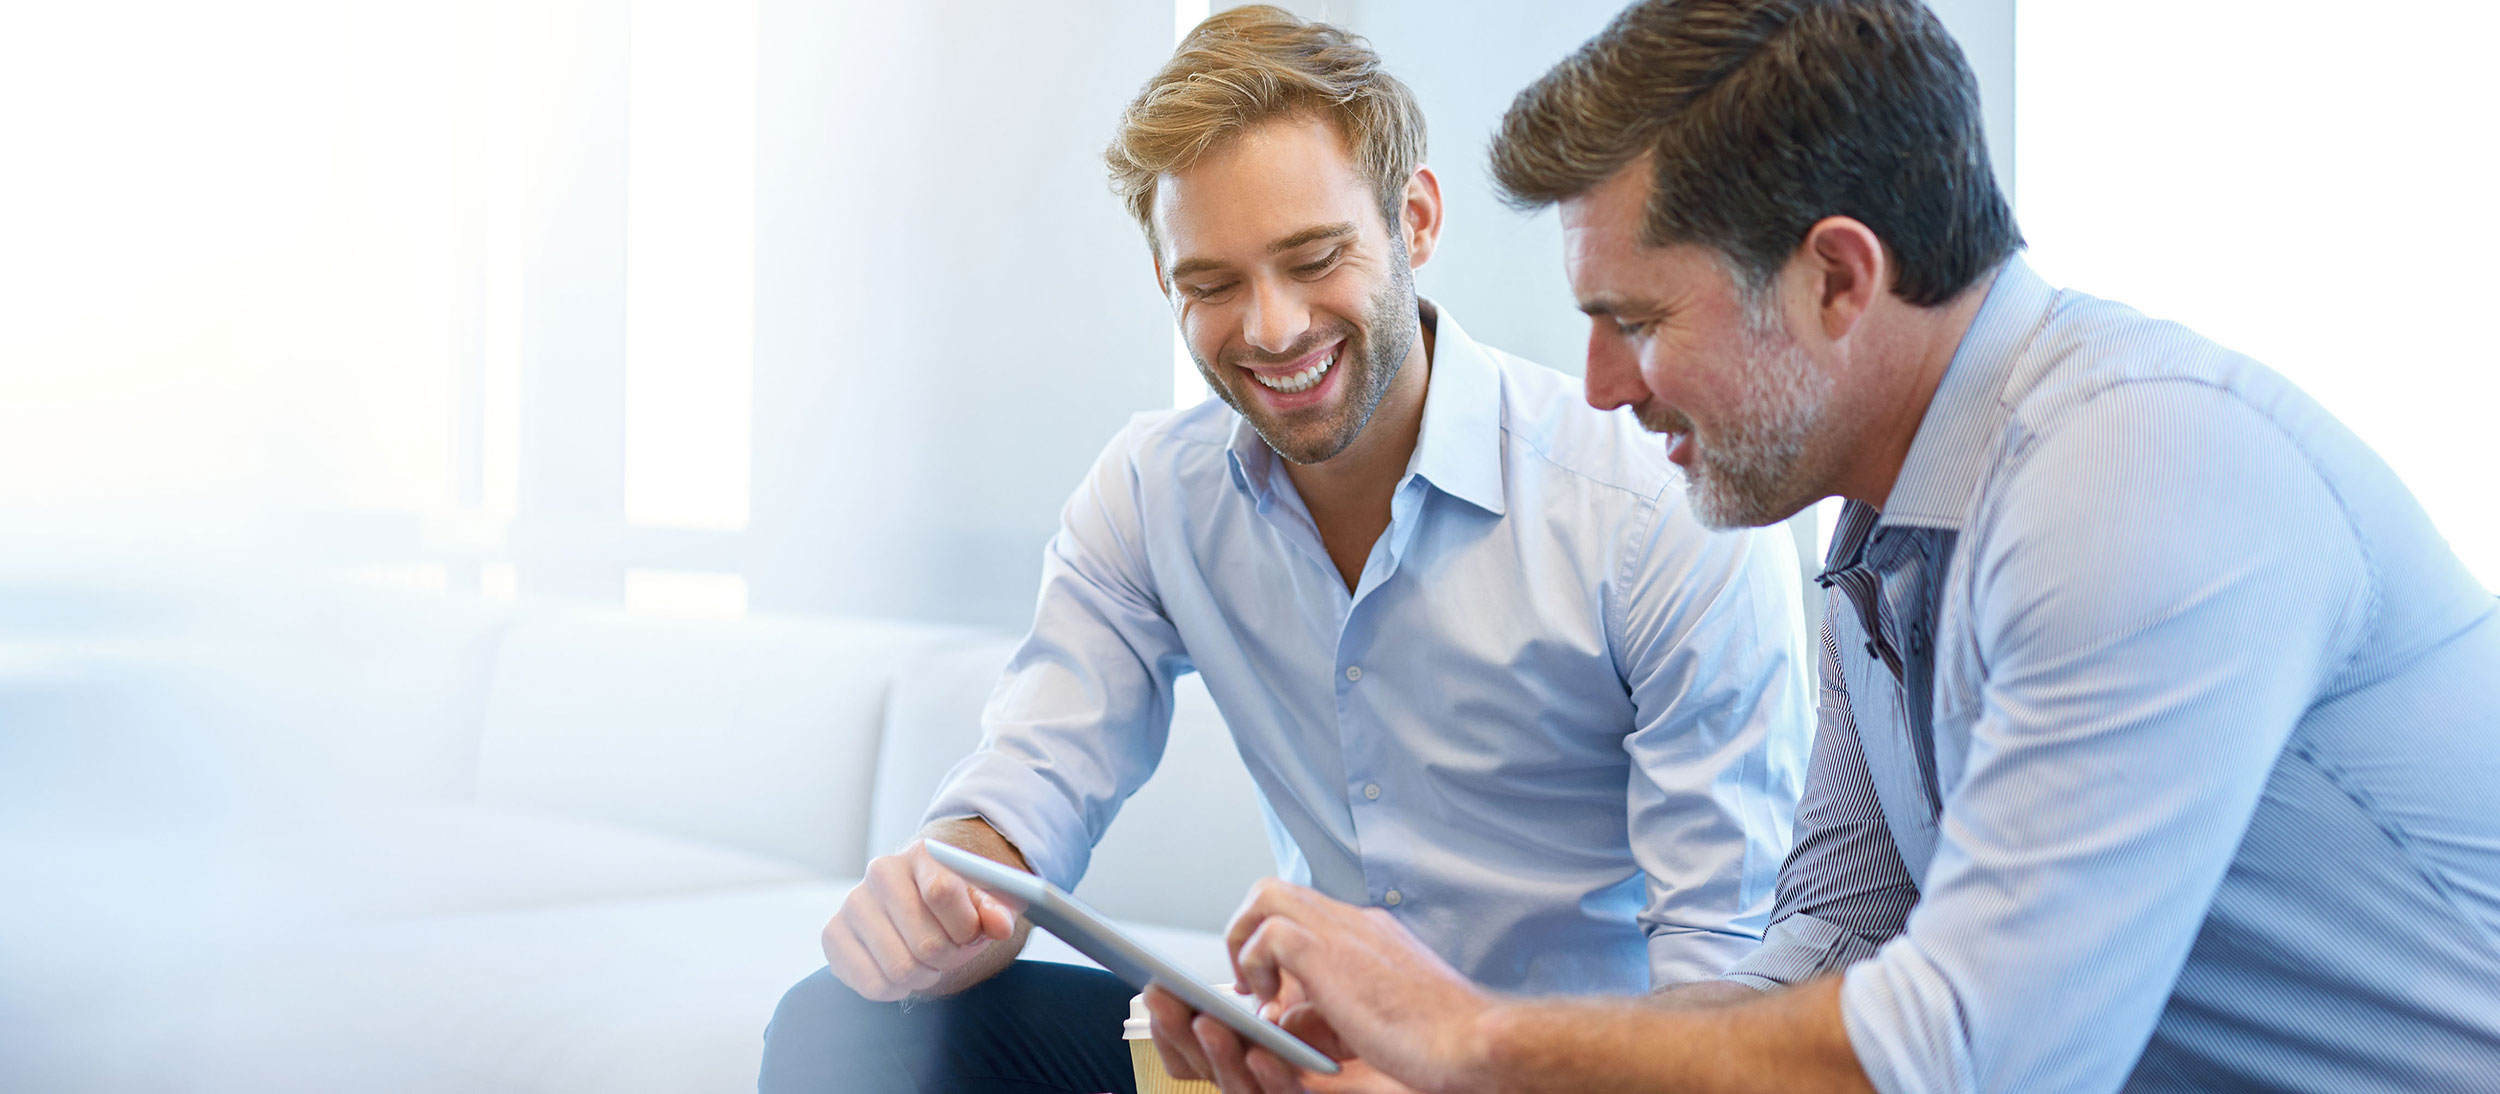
<point>817,1004</point>
<point>817,1038</point>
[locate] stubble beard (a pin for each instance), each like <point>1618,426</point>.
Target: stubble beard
<point>1752,471</point>
<point>1376,350</point>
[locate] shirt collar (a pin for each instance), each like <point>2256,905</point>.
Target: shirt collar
<point>1459,448</point>
<point>1967,414</point>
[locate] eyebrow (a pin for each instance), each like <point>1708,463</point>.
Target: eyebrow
<point>1343,229</point>
<point>1608,304</point>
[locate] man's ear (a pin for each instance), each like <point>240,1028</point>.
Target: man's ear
<point>1848,269</point>
<point>1419,215</point>
<point>1163,285</point>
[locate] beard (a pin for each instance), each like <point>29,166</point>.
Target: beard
<point>1374,351</point>
<point>1752,470</point>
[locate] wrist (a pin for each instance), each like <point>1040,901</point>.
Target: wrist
<point>1492,1044</point>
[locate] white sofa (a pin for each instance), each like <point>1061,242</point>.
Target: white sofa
<point>466,847</point>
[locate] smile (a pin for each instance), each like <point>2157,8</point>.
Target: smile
<point>1298,381</point>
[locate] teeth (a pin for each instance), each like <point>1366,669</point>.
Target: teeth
<point>1300,381</point>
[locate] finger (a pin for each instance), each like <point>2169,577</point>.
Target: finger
<point>1169,1019</point>
<point>927,941</point>
<point>1274,1075</point>
<point>949,899</point>
<point>891,951</point>
<point>1273,952</point>
<point>998,917</point>
<point>1289,993</point>
<point>1304,1021</point>
<point>1264,898</point>
<point>1224,1054</point>
<point>852,965</point>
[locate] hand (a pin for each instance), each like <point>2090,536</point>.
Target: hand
<point>1194,1046</point>
<point>1357,973</point>
<point>908,924</point>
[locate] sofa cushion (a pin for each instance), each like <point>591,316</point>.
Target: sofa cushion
<point>760,734</point>
<point>410,862</point>
<point>1183,850</point>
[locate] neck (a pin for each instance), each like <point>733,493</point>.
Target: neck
<point>1366,473</point>
<point>1913,362</point>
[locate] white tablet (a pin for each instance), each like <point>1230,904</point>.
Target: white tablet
<point>1095,937</point>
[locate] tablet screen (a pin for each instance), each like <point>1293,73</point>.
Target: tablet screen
<point>1085,929</point>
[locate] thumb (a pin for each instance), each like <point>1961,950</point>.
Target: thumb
<point>1304,1021</point>
<point>997,919</point>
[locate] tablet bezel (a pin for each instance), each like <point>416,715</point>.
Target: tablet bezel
<point>1085,929</point>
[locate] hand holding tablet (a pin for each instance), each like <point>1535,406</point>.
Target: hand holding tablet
<point>1081,927</point>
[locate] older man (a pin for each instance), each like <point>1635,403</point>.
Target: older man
<point>1489,673</point>
<point>2158,727</point>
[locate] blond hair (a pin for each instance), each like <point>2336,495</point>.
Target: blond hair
<point>1253,64</point>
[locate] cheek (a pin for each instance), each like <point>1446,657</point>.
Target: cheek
<point>1204,327</point>
<point>1679,373</point>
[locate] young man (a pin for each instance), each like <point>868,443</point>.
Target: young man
<point>1485,667</point>
<point>2158,728</point>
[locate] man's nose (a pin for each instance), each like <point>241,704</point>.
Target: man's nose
<point>1276,317</point>
<point>1613,376</point>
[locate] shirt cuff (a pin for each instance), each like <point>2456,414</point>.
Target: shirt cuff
<point>1683,955</point>
<point>1022,805</point>
<point>1797,949</point>
<point>1905,1023</point>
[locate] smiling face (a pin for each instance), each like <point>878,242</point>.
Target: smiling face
<point>1673,335</point>
<point>1292,292</point>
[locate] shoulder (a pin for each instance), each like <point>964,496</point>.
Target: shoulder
<point>1548,425</point>
<point>2142,458</point>
<point>1156,443</point>
<point>2093,359</point>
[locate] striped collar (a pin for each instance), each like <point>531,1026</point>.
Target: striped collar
<point>1967,415</point>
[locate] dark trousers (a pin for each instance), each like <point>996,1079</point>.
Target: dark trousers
<point>1036,1028</point>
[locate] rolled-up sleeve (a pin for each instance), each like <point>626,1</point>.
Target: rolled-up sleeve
<point>1079,719</point>
<point>1843,891</point>
<point>2158,586</point>
<point>1715,666</point>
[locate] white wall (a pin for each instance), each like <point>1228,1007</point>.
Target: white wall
<point>953,313</point>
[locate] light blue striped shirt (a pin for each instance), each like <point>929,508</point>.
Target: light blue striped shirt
<point>1557,729</point>
<point>2215,738</point>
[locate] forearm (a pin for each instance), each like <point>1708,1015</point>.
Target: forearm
<point>975,835</point>
<point>1785,1041</point>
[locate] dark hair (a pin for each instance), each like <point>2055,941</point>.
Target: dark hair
<point>1762,117</point>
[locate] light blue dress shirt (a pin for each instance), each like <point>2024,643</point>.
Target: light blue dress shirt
<point>1557,729</point>
<point>2215,740</point>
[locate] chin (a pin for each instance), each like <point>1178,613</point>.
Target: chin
<point>1721,508</point>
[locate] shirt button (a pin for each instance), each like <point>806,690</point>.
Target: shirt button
<point>1353,673</point>
<point>1371,792</point>
<point>1392,898</point>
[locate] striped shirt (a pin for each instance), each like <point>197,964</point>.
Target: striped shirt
<point>2200,796</point>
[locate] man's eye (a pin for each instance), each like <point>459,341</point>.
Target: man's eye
<point>1635,328</point>
<point>1321,266</point>
<point>1206,292</point>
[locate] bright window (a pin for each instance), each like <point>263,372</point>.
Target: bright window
<point>690,263</point>
<point>2308,183</point>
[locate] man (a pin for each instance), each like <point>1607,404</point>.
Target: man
<point>1472,647</point>
<point>2157,731</point>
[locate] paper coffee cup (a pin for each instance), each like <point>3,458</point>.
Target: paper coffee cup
<point>1138,1031</point>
